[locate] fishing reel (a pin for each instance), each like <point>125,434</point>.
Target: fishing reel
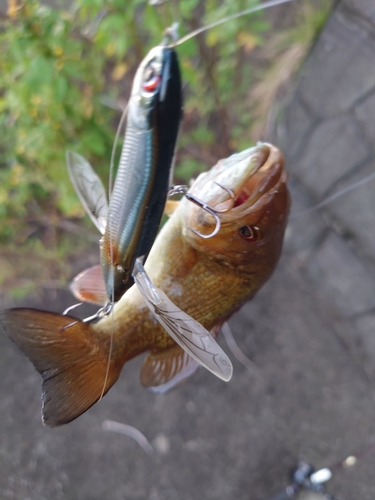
<point>306,478</point>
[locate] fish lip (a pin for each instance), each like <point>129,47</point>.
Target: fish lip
<point>273,176</point>
<point>267,160</point>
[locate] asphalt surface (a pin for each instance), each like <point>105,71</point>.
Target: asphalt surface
<point>310,333</point>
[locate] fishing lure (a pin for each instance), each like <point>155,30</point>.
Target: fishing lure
<point>131,221</point>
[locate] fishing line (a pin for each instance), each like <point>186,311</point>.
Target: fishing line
<point>110,186</point>
<point>250,10</point>
<point>334,196</point>
<point>112,308</point>
<point>236,351</point>
<point>113,152</point>
<point>306,478</point>
<point>202,29</point>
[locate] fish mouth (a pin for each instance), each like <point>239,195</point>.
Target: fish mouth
<point>250,175</point>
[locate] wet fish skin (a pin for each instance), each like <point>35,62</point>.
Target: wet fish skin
<point>208,278</point>
<point>211,278</point>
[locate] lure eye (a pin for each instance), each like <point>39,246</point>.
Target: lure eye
<point>151,79</point>
<point>249,233</point>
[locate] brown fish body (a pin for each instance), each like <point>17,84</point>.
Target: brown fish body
<point>209,279</point>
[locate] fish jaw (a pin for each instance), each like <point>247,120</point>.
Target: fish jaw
<point>255,222</point>
<point>231,172</point>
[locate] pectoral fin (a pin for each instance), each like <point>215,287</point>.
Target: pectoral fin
<point>163,370</point>
<point>89,286</point>
<point>184,329</point>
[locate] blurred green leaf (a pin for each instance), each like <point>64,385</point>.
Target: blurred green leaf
<point>59,65</point>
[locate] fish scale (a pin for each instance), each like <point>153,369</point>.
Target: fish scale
<point>213,288</point>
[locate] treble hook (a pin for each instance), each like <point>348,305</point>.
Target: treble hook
<point>231,194</point>
<point>211,210</point>
<point>100,313</point>
<point>208,209</point>
<point>179,189</point>
<point>70,308</point>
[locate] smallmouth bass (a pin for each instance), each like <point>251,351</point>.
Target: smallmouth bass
<point>210,279</point>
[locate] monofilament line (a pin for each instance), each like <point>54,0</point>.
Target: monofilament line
<point>112,311</point>
<point>250,10</point>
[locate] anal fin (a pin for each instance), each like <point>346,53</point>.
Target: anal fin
<point>165,369</point>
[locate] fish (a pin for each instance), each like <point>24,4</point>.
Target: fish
<point>210,279</point>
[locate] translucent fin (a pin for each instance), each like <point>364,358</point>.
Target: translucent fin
<point>163,370</point>
<point>89,188</point>
<point>73,366</point>
<point>184,330</point>
<point>89,286</point>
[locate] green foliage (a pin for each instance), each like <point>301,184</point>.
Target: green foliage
<point>50,79</point>
<point>55,65</point>
<point>59,65</point>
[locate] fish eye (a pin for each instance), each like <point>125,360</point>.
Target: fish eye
<point>151,79</point>
<point>249,233</point>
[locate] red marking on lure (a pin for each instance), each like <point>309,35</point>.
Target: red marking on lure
<point>152,84</point>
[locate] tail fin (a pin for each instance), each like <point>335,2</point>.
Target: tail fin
<point>72,361</point>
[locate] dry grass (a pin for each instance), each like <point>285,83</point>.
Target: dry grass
<point>284,54</point>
